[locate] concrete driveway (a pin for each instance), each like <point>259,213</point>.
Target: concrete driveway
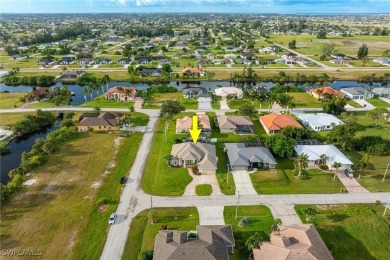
<point>211,215</point>
<point>286,213</point>
<point>363,103</point>
<point>224,104</point>
<point>204,103</point>
<point>243,183</point>
<point>351,184</point>
<point>387,100</point>
<point>202,179</point>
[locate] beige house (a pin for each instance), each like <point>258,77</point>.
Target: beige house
<point>121,93</point>
<point>229,91</point>
<point>183,125</point>
<point>235,124</point>
<point>107,121</point>
<point>300,241</point>
<point>200,154</point>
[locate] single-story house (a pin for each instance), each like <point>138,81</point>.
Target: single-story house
<point>121,93</point>
<point>143,61</point>
<point>106,121</point>
<point>154,72</point>
<point>18,57</point>
<point>103,61</point>
<point>382,60</point>
<point>226,61</point>
<point>274,123</point>
<point>159,56</point>
<point>382,92</point>
<point>176,56</point>
<point>230,56</point>
<point>71,74</point>
<point>164,61</point>
<point>183,125</point>
<point>340,56</point>
<point>339,62</point>
<point>242,157</point>
<point>85,61</point>
<point>314,153</point>
<point>319,121</point>
<point>193,72</point>
<point>235,124</point>
<point>45,61</point>
<point>200,154</point>
<point>65,61</point>
<point>319,93</point>
<point>192,92</point>
<point>214,242</point>
<point>226,91</point>
<point>300,241</point>
<point>124,61</point>
<point>211,56</point>
<point>357,93</point>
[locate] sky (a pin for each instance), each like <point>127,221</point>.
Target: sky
<point>205,6</point>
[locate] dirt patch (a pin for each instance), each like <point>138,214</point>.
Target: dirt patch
<point>326,207</point>
<point>349,43</point>
<point>30,182</point>
<point>96,184</point>
<point>102,208</point>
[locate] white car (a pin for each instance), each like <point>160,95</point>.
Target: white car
<point>112,219</point>
<point>349,172</point>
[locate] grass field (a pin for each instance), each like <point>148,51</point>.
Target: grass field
<point>304,100</point>
<point>11,100</point>
<point>137,119</point>
<point>260,220</point>
<point>225,179</point>
<point>50,214</point>
<point>203,190</point>
<point>283,182</point>
<point>159,178</point>
<point>12,118</point>
<point>158,98</point>
<point>111,103</point>
<point>365,126</point>
<point>237,103</point>
<point>376,102</point>
<point>48,103</point>
<point>94,228</point>
<point>352,231</point>
<point>142,233</point>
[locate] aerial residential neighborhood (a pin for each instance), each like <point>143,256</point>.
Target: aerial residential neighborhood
<point>185,130</point>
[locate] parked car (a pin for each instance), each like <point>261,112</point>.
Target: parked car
<point>112,219</point>
<point>349,172</point>
<point>123,180</point>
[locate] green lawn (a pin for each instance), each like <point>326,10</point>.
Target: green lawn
<point>225,179</point>
<point>12,118</point>
<point>142,233</point>
<point>203,190</point>
<point>260,220</point>
<point>48,103</point>
<point>158,98</point>
<point>365,126</point>
<point>283,182</point>
<point>111,103</point>
<point>94,229</point>
<point>159,178</point>
<point>137,118</point>
<point>11,100</point>
<point>303,100</point>
<point>352,231</point>
<point>237,103</point>
<point>377,102</point>
<point>353,103</point>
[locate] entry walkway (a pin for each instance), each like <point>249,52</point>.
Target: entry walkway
<point>243,183</point>
<point>211,215</point>
<point>286,213</point>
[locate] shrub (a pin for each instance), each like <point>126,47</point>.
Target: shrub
<point>102,201</point>
<point>378,202</point>
<point>324,167</point>
<point>147,255</point>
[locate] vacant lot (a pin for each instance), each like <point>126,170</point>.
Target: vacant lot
<point>12,118</point>
<point>142,233</point>
<point>283,182</point>
<point>101,102</point>
<point>11,100</point>
<point>304,100</point>
<point>260,220</point>
<point>352,231</point>
<point>158,98</point>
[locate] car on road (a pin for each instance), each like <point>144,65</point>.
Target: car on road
<point>112,219</point>
<point>348,172</point>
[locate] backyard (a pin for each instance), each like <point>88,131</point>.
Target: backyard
<point>158,98</point>
<point>352,231</point>
<point>11,100</point>
<point>100,101</point>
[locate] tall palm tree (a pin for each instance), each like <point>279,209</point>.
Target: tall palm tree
<point>85,92</point>
<point>336,165</point>
<point>291,105</point>
<point>106,78</point>
<point>271,99</point>
<point>363,163</point>
<point>302,162</point>
<point>324,159</point>
<point>128,92</point>
<point>260,96</point>
<point>167,117</point>
<point>310,213</point>
<point>254,241</point>
<point>90,89</point>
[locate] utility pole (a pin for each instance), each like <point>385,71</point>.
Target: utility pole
<point>387,206</point>
<point>385,172</point>
<point>238,201</point>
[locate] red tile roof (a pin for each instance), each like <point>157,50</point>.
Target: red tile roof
<point>122,92</point>
<point>278,121</point>
<point>327,90</point>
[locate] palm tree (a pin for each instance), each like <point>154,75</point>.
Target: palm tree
<point>324,159</point>
<point>276,224</point>
<point>97,110</point>
<point>168,158</point>
<point>363,163</point>
<point>243,223</point>
<point>90,89</point>
<point>310,213</point>
<point>167,117</point>
<point>291,104</point>
<point>106,78</point>
<point>85,92</point>
<point>320,92</point>
<point>302,162</point>
<point>260,96</point>
<point>152,215</point>
<point>128,92</point>
<point>336,165</point>
<point>254,241</point>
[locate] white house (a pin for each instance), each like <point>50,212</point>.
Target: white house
<point>314,153</point>
<point>357,93</point>
<point>382,60</point>
<point>319,121</point>
<point>225,91</point>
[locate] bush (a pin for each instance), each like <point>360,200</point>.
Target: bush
<point>67,123</point>
<point>378,202</point>
<point>147,255</point>
<point>324,167</point>
<point>374,145</point>
<point>102,201</point>
<point>68,115</point>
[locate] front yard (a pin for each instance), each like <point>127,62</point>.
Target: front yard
<point>283,182</point>
<point>377,102</point>
<point>110,103</point>
<point>352,231</point>
<point>158,98</point>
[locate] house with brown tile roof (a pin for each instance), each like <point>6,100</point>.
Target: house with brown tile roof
<point>319,93</point>
<point>211,243</point>
<point>193,72</point>
<point>183,125</point>
<point>121,93</point>
<point>274,123</point>
<point>294,242</point>
<point>107,121</point>
<point>235,124</point>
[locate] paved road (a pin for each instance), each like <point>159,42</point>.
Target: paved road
<point>132,200</point>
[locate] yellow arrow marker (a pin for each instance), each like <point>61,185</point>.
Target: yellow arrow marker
<point>195,132</point>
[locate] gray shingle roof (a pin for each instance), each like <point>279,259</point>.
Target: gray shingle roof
<point>240,155</point>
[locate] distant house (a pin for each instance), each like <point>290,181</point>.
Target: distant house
<point>340,56</point>
<point>339,62</point>
<point>65,61</point>
<point>382,92</point>
<point>319,93</point>
<point>241,157</point>
<point>357,93</point>
<point>230,56</point>
<point>235,124</point>
<point>202,155</point>
<point>191,92</point>
<point>193,72</point>
<point>107,121</point>
<point>164,61</point>
<point>314,153</point>
<point>124,61</point>
<point>274,123</point>
<point>319,121</point>
<point>176,56</point>
<point>70,75</point>
<point>183,125</point>
<point>143,61</point>
<point>229,91</point>
<point>103,61</point>
<point>211,56</point>
<point>203,62</point>
<point>153,72</point>
<point>214,242</point>
<point>226,61</point>
<point>18,57</point>
<point>121,93</point>
<point>232,48</point>
<point>289,55</point>
<point>85,61</point>
<point>45,62</point>
<point>382,60</point>
<point>301,241</point>
<point>159,56</point>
